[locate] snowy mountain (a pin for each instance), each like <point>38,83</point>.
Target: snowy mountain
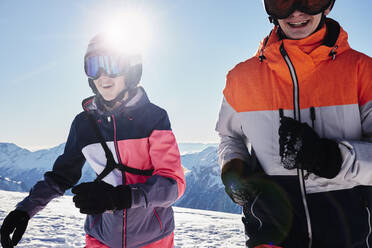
<point>60,225</point>
<point>204,188</point>
<point>186,148</point>
<point>21,165</point>
<point>20,169</point>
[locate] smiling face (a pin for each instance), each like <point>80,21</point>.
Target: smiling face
<point>299,25</point>
<point>108,87</point>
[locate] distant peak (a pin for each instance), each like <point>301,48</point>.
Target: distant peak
<point>9,147</point>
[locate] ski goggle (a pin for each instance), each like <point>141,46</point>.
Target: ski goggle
<point>111,65</point>
<point>281,9</point>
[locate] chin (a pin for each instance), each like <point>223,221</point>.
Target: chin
<point>108,98</point>
<point>298,36</point>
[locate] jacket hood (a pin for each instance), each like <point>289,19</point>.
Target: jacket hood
<point>325,44</point>
<point>137,98</point>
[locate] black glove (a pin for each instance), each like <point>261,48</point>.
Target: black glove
<point>241,184</point>
<point>97,197</point>
<point>16,221</point>
<point>301,147</point>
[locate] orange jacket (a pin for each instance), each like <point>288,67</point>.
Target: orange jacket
<point>333,80</point>
<point>319,80</point>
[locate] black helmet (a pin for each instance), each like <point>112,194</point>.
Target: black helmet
<point>281,9</point>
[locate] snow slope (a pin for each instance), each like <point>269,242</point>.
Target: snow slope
<point>61,225</point>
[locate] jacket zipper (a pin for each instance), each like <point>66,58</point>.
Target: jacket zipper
<point>312,117</point>
<point>297,116</point>
<point>123,174</point>
<point>296,100</point>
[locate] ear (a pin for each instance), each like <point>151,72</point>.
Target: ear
<point>326,12</point>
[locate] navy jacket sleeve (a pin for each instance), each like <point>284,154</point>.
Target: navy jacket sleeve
<point>66,173</point>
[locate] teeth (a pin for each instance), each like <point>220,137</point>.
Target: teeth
<point>298,23</point>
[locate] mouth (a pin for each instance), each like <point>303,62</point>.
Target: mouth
<point>107,86</point>
<point>299,24</point>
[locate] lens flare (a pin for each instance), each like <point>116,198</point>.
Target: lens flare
<point>127,26</point>
<point>128,31</point>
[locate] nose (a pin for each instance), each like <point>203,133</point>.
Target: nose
<point>102,70</point>
<point>102,73</point>
<point>296,13</point>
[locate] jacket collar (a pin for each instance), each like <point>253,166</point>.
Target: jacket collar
<point>306,54</point>
<point>328,37</point>
<point>138,98</point>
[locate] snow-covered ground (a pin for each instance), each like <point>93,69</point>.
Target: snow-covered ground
<point>61,225</point>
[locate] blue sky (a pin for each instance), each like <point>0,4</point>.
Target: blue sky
<point>192,46</point>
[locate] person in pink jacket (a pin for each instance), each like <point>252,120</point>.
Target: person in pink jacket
<point>129,143</point>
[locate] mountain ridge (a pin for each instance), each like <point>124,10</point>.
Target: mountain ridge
<point>204,189</point>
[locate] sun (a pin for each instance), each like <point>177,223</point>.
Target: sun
<point>128,31</point>
<point>127,28</point>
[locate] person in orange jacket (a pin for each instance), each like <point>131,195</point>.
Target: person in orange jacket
<point>296,133</point>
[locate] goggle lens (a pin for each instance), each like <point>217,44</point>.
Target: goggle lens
<point>111,65</point>
<point>281,9</point>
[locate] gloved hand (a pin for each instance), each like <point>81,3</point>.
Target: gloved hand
<point>97,197</point>
<point>241,184</point>
<point>301,147</point>
<point>16,221</point>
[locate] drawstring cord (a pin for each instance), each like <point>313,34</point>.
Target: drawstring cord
<point>333,52</point>
<point>262,56</point>
<point>312,117</point>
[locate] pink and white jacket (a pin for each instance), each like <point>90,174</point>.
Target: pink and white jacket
<point>139,135</point>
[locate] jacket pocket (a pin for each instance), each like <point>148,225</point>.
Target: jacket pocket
<point>158,219</point>
<point>95,219</point>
